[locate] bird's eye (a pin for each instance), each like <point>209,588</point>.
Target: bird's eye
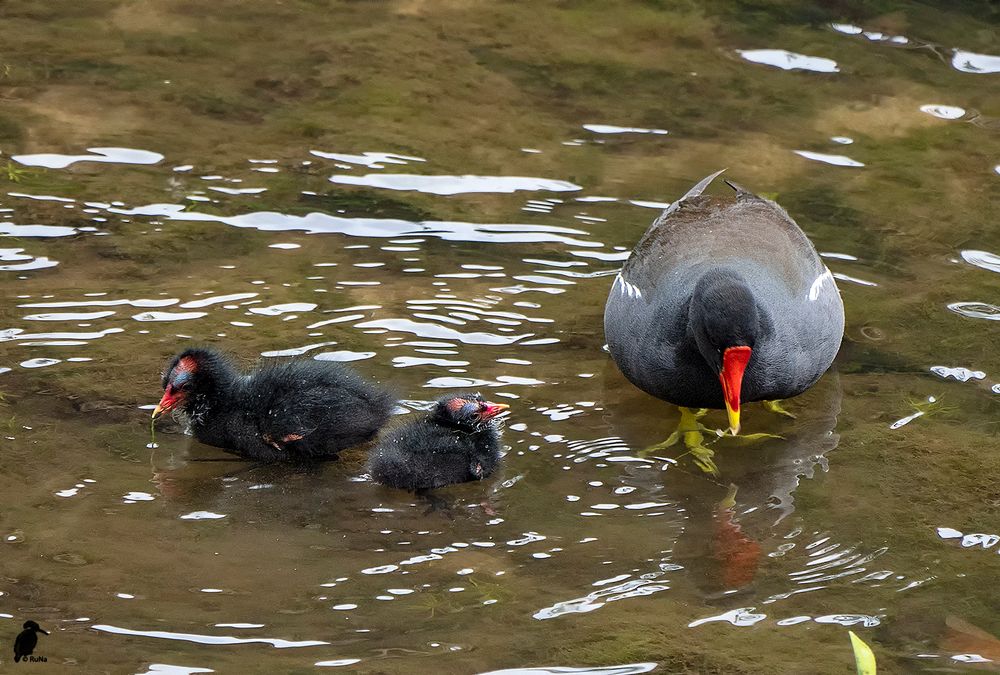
<point>182,384</point>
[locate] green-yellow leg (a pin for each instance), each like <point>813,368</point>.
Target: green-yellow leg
<point>777,408</point>
<point>690,430</point>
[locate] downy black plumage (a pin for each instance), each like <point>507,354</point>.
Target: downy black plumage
<point>284,410</point>
<point>456,442</point>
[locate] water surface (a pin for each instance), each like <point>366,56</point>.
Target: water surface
<point>441,193</point>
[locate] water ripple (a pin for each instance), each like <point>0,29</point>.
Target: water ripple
<point>976,310</point>
<point>454,185</point>
<point>984,259</point>
<point>624,669</point>
<point>786,60</point>
<point>103,155</point>
<point>836,160</point>
<point>971,62</point>
<point>278,643</point>
<point>322,223</point>
<point>31,262</point>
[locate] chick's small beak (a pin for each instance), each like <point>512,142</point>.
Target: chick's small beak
<point>492,410</point>
<point>42,630</point>
<point>168,401</point>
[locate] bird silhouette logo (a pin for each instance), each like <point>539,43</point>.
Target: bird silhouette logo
<point>27,639</point>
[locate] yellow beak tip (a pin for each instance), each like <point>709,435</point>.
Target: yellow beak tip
<point>156,412</point>
<point>734,420</point>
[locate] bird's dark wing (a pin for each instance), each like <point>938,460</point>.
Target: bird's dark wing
<point>317,407</point>
<point>747,233</point>
<point>695,191</point>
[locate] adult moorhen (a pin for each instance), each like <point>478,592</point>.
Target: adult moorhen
<point>723,301</point>
<point>26,640</point>
<point>295,410</point>
<point>456,442</point>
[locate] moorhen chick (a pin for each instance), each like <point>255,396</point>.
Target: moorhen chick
<point>456,442</point>
<point>723,301</point>
<point>294,410</point>
<point>27,640</point>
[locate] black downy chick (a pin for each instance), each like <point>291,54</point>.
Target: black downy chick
<point>284,410</point>
<point>456,442</point>
<point>26,640</point>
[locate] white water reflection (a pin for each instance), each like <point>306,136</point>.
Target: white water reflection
<point>983,259</point>
<point>297,351</point>
<point>597,599</point>
<point>208,639</point>
<point>741,616</point>
<point>239,624</point>
<point>372,160</point>
<point>36,230</point>
<point>976,310</point>
<point>945,112</point>
<point>237,191</point>
<point>168,669</point>
<point>322,223</point>
<point>19,334</point>
<point>31,262</point>
<point>216,299</point>
<point>970,62</point>
<point>141,302</point>
<point>874,36</point>
<point>433,330</point>
<point>837,160</point>
<point>846,28</point>
<point>344,356</point>
<point>168,316</point>
<point>611,129</point>
<point>103,155</point>
<point>958,373</point>
<point>42,198</point>
<point>69,316</point>
<point>786,60</point>
<point>203,515</point>
<point>501,381</point>
<point>39,363</point>
<point>454,185</point>
<point>624,669</point>
<point>854,280</point>
<point>284,308</point>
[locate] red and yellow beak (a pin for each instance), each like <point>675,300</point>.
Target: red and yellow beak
<point>168,402</point>
<point>734,363</point>
<point>492,410</point>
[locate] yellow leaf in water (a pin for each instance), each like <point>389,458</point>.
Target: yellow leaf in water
<point>864,658</point>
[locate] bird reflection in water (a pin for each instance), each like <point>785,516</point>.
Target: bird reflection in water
<point>731,519</point>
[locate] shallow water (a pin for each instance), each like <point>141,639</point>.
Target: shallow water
<point>441,194</point>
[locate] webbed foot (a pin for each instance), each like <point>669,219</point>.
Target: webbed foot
<point>692,433</point>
